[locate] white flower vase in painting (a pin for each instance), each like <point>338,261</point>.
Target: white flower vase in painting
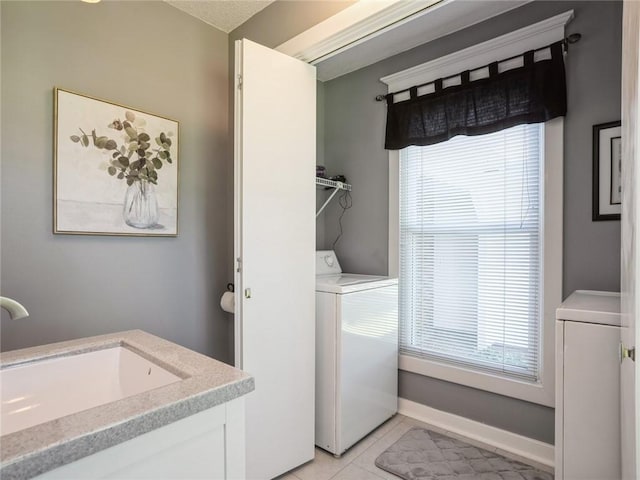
<point>141,205</point>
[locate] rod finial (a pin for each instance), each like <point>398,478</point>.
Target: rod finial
<point>574,38</point>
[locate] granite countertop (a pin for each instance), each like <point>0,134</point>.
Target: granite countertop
<point>205,383</point>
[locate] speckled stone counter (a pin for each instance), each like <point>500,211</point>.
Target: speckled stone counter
<point>205,383</point>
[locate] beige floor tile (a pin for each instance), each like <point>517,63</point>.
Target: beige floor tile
<point>380,473</point>
<point>367,459</point>
<point>325,465</point>
<point>287,476</point>
<point>353,472</point>
<point>387,426</point>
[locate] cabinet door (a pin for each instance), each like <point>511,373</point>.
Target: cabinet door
<point>196,447</point>
<point>591,443</point>
<point>275,131</point>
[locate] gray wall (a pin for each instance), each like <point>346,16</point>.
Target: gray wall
<point>528,419</point>
<point>150,56</point>
<point>283,20</point>
<point>354,129</point>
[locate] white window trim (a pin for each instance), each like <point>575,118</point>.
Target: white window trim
<point>534,36</point>
<point>505,46</point>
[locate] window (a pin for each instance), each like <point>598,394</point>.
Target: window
<point>471,239</point>
<point>470,323</point>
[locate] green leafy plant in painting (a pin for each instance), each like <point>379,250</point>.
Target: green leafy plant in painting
<point>136,159</point>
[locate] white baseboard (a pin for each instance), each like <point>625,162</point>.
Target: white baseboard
<point>527,448</point>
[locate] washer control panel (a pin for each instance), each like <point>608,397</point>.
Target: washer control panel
<point>327,263</point>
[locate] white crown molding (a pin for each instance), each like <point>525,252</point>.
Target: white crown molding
<point>537,453</point>
<point>337,46</point>
<point>351,25</point>
<point>527,38</point>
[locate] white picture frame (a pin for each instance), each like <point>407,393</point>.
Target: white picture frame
<point>115,169</point>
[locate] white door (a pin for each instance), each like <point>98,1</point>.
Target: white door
<point>630,281</point>
<point>275,152</point>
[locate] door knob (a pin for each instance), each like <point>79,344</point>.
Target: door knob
<point>247,293</point>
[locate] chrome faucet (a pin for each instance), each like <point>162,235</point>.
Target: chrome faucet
<point>15,310</point>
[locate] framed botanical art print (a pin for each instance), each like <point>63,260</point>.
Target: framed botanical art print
<point>115,169</point>
<point>607,164</point>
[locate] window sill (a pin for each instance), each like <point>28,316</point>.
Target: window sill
<point>530,392</point>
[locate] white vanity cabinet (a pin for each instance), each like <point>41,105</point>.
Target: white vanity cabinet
<point>158,411</point>
<point>207,445</point>
<point>588,387</point>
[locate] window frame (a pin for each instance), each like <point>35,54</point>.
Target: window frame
<point>543,391</point>
<point>531,37</point>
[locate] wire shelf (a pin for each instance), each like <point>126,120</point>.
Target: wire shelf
<point>337,186</point>
<point>325,182</point>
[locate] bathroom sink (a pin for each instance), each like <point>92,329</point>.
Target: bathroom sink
<point>41,391</point>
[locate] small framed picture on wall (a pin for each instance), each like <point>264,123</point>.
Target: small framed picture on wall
<point>607,164</point>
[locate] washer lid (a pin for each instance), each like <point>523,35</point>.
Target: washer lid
<point>351,282</point>
<point>591,307</point>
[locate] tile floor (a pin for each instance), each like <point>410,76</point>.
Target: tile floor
<point>358,462</point>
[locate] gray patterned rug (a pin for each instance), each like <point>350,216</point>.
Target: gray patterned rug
<point>421,454</point>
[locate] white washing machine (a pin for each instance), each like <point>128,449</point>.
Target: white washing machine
<point>356,353</point>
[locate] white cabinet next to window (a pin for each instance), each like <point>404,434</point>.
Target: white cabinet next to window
<point>588,387</point>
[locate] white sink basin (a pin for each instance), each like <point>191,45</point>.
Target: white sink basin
<point>45,390</point>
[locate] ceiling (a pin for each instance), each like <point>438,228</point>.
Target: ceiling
<point>225,15</point>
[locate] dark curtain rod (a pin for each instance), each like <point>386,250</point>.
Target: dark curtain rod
<point>573,38</point>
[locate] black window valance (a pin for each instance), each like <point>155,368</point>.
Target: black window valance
<point>533,93</point>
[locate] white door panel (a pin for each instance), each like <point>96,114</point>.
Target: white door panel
<point>275,244</point>
<point>630,277</point>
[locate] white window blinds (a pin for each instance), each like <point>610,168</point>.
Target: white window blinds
<point>470,251</point>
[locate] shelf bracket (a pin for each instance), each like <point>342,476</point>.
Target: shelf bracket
<point>333,194</point>
<point>325,182</point>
